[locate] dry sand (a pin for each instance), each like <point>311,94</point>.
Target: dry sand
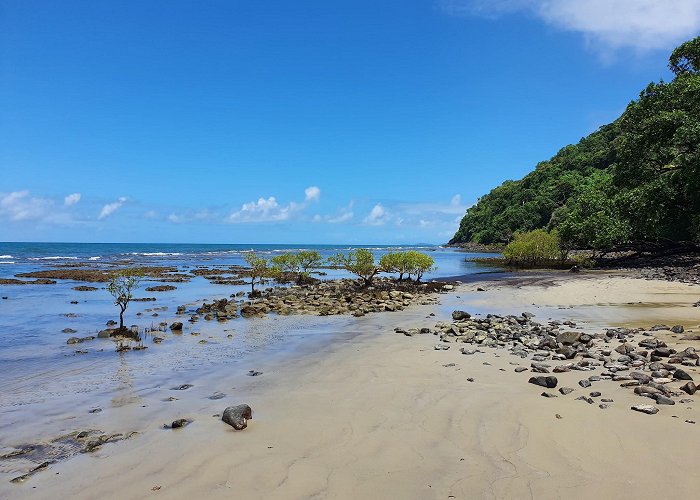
<point>379,415</point>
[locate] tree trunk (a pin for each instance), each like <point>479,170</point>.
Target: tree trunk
<point>121,318</point>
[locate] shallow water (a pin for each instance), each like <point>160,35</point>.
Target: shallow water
<point>40,370</point>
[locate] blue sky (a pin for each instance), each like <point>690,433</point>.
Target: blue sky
<point>301,122</point>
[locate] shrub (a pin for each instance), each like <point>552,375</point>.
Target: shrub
<point>535,248</point>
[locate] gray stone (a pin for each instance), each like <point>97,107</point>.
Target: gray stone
<point>648,409</point>
<point>664,400</point>
<point>584,383</point>
<point>566,390</point>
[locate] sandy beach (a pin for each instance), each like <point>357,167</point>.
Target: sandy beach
<point>375,414</point>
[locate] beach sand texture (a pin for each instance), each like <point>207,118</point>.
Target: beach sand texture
<point>380,415</point>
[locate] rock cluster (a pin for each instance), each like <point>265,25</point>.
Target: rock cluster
<point>633,357</point>
<point>323,298</point>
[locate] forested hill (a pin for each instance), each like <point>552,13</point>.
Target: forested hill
<point>635,180</point>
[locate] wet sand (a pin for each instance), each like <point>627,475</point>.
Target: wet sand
<point>370,413</point>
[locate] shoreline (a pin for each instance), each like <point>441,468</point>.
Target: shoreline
<point>306,403</point>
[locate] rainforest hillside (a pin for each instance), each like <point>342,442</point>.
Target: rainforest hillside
<point>634,181</point>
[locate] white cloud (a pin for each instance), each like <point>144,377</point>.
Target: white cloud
<point>456,201</point>
<point>378,216</point>
<point>264,210</point>
<point>174,218</point>
<point>151,214</point>
<point>606,24</point>
<point>21,206</point>
<point>340,218</point>
<point>312,193</point>
<point>71,199</point>
<point>110,208</point>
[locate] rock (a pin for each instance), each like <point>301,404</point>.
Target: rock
<point>677,329</point>
<point>176,326</point>
<point>584,383</point>
<point>549,382</point>
<point>182,387</point>
<point>441,347</point>
<point>595,394</point>
<point>68,330</point>
<point>566,390</point>
<point>519,369</point>
<point>254,373</point>
<point>569,338</point>
<point>460,315</point>
<point>73,340</point>
<point>648,409</point>
<point>237,416</point>
<point>689,388</point>
<point>180,423</point>
<point>161,288</point>
<point>217,395</point>
<point>681,375</point>
<point>691,336</point>
<point>548,395</point>
<point>468,352</point>
<point>540,367</point>
<point>663,400</point>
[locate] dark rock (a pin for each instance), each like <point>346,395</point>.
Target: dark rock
<point>237,416</point>
<point>566,390</point>
<point>161,288</point>
<point>681,375</point>
<point>176,326</point>
<point>664,400</point>
<point>584,383</point>
<point>689,388</point>
<point>677,329</point>
<point>548,395</point>
<point>519,369</point>
<point>182,387</point>
<point>595,394</point>
<point>460,315</point>
<point>254,373</point>
<point>180,423</point>
<point>68,330</point>
<point>549,382</point>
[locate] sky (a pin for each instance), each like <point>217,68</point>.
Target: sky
<point>323,121</point>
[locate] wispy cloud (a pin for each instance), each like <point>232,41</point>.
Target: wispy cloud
<point>71,199</point>
<point>607,25</point>
<point>21,206</point>
<point>110,208</point>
